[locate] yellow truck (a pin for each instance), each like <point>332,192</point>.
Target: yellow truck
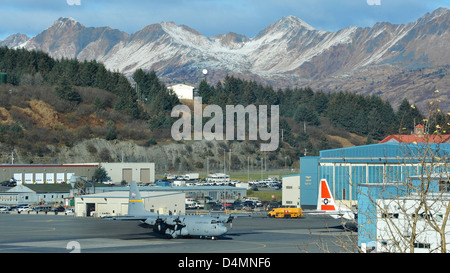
<point>286,213</point>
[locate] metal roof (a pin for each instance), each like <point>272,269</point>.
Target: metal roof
<point>125,194</point>
<point>159,188</point>
<point>47,165</point>
<point>385,153</point>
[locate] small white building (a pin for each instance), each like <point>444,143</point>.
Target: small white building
<point>33,194</point>
<point>395,224</point>
<point>143,172</point>
<point>291,190</point>
<point>183,91</point>
<point>115,203</point>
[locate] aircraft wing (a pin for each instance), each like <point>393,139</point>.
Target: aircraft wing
<point>228,218</point>
<point>343,214</point>
<point>149,219</point>
<point>126,217</point>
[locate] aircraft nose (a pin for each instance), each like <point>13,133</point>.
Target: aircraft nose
<point>223,229</point>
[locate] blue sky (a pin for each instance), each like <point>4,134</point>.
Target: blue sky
<point>209,17</point>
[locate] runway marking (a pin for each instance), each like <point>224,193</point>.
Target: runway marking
<point>258,246</point>
<point>92,243</point>
<point>305,232</point>
<point>28,231</point>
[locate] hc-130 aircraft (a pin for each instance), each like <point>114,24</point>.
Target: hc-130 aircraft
<point>327,206</point>
<point>209,226</point>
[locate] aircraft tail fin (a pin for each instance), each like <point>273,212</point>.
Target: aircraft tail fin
<point>325,202</point>
<point>135,202</point>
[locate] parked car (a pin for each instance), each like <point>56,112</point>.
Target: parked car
<point>4,208</point>
<point>16,208</point>
<point>237,205</point>
<point>24,209</point>
<point>42,209</point>
<point>58,209</point>
<point>250,204</point>
<point>69,211</point>
<point>217,206</point>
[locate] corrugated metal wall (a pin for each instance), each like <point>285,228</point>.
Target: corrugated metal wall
<point>346,168</point>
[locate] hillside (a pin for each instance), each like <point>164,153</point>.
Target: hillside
<point>35,122</point>
<point>38,127</point>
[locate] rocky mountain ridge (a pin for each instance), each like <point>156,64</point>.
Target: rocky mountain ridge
<point>288,53</point>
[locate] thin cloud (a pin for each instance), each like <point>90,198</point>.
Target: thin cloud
<point>209,17</point>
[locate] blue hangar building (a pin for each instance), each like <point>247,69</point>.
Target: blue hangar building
<point>347,168</point>
<point>358,175</point>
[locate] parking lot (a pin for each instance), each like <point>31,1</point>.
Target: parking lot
<point>27,209</point>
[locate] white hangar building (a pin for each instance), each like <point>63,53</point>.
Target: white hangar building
<point>115,203</point>
<point>290,190</point>
<point>61,173</point>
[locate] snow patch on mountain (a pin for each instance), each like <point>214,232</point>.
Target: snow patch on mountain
<point>287,48</point>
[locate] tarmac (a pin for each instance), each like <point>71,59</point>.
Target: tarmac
<point>28,233</point>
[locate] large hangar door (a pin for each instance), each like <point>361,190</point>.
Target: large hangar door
<point>309,181</point>
<point>127,175</point>
<point>124,209</point>
<point>145,175</point>
<point>102,209</point>
<point>90,207</point>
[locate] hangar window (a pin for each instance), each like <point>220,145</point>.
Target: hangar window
<point>422,245</point>
<point>390,215</point>
<point>444,186</point>
<point>423,216</point>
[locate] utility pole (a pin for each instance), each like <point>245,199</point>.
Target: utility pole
<point>224,154</point>
<point>262,158</point>
<point>248,169</point>
<point>229,164</point>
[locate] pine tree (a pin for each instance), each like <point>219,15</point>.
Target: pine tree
<point>205,91</point>
<point>65,90</point>
<point>408,116</point>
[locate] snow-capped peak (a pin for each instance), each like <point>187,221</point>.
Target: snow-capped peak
<point>64,20</point>
<point>295,22</point>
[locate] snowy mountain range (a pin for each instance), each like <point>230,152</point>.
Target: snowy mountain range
<point>392,60</point>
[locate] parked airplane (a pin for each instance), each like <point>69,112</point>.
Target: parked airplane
<point>327,206</point>
<point>210,226</point>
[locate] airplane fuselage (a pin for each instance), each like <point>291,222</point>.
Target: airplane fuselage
<point>192,225</point>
